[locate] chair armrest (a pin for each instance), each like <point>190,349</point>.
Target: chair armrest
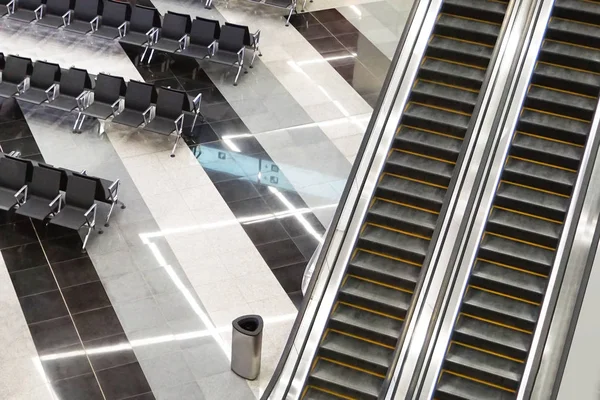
<point>241,52</point>
<point>256,36</point>
<point>113,190</point>
<point>23,85</point>
<point>59,199</point>
<point>52,92</point>
<point>123,29</point>
<point>95,22</point>
<point>116,106</point>
<point>82,104</point>
<point>92,209</point>
<point>148,114</point>
<point>21,195</point>
<point>183,42</point>
<point>39,12</point>
<point>179,123</point>
<point>66,17</point>
<point>11,6</point>
<point>196,102</point>
<point>213,47</point>
<point>153,35</point>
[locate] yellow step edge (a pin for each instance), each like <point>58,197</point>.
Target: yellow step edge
<point>518,240</point>
<point>320,389</point>
<point>493,353</point>
<point>407,205</point>
<point>414,180</point>
<point>361,338</point>
<point>543,163</point>
<point>534,188</point>
<point>427,131</point>
<point>549,139</point>
<point>450,110</point>
<point>447,85</point>
<point>366,371</point>
<point>574,45</point>
<point>512,267</point>
<point>528,215</point>
<point>489,321</point>
<point>445,371</point>
<point>463,40</point>
<point>390,257</point>
<point>556,114</point>
<point>504,295</point>
<point>568,67</point>
<point>370,310</point>
<point>578,22</point>
<point>423,155</point>
<point>387,228</point>
<point>472,19</point>
<point>455,63</point>
<point>387,285</point>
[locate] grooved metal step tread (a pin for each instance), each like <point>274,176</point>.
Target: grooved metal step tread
<point>508,279</point>
<point>450,69</point>
<point>563,25</point>
<point>455,387</point>
<point>397,212</point>
<point>538,171</point>
<point>438,143</point>
<point>495,303</point>
<point>419,163</point>
<point>395,240</point>
<point>562,98</point>
<point>367,321</point>
<point>537,199</point>
<point>316,394</point>
<point>392,269</point>
<point>375,293</point>
<point>549,147</point>
<point>462,24</point>
<point>587,7</point>
<point>567,75</point>
<point>518,250</point>
<point>431,89</point>
<point>558,49</point>
<point>344,377</point>
<point>485,362</point>
<point>442,117</point>
<point>412,188</point>
<point>495,7</point>
<point>485,332</point>
<point>525,223</point>
<point>460,47</point>
<point>544,120</point>
<point>355,348</point>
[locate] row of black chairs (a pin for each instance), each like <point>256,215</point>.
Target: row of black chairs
<point>57,196</point>
<point>142,26</point>
<point>161,110</point>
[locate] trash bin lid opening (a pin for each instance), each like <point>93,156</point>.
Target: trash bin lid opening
<point>249,325</point>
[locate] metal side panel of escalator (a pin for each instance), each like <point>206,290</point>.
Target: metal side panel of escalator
<point>492,334</point>
<point>361,334</point>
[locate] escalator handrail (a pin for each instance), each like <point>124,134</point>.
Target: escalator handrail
<point>378,120</point>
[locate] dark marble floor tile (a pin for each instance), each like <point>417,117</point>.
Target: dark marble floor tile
<point>86,297</point>
<point>33,281</point>
<point>186,67</point>
<point>155,71</point>
<point>25,256</point>
<point>313,31</point>
<point>75,272</point>
<point>371,99</point>
<point>303,19</point>
<point>202,133</point>
<point>326,45</point>
<point>266,231</point>
<point>63,249</point>
<point>253,208</point>
<point>362,80</point>
<point>210,95</point>
<point>340,57</point>
<point>216,175</point>
<point>171,83</point>
<point>217,112</point>
<point>52,231</point>
<point>307,244</point>
<point>194,82</point>
<point>42,307</point>
<point>145,396</point>
<point>340,27</point>
<point>346,71</point>
<point>329,15</point>
<point>123,381</point>
<point>234,127</point>
<point>25,145</point>
<point>279,254</point>
<point>290,276</point>
<point>296,298</point>
<point>97,324</point>
<point>281,205</point>
<point>236,190</point>
<point>120,353</point>
<point>57,368</point>
<point>53,334</point>
<point>16,234</point>
<point>350,40</point>
<point>11,111</point>
<point>80,387</point>
<point>240,148</point>
<point>302,224</point>
<point>14,130</point>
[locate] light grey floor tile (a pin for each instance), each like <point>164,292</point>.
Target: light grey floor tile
<point>153,342</point>
<point>113,264</point>
<point>192,332</point>
<point>174,306</point>
<point>167,371</point>
<point>206,360</point>
<point>225,386</point>
<point>159,281</point>
<point>189,391</point>
<point>139,315</point>
<point>127,288</point>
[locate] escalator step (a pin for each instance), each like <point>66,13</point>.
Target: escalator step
<point>539,176</point>
<point>344,380</point>
<point>419,167</point>
<point>573,32</point>
<point>410,192</point>
<point>435,119</point>
<point>508,280</point>
<point>452,387</point>
<point>504,310</point>
<point>396,244</point>
<point>313,393</point>
<point>566,79</point>
<point>584,11</point>
<point>451,73</point>
<point>484,366</point>
<point>467,28</point>
<point>404,218</point>
<point>524,227</point>
<point>553,126</point>
<point>492,11</point>
<point>356,352</point>
<point>587,59</point>
<point>420,141</point>
<point>567,103</point>
<point>459,51</point>
<point>375,297</point>
<point>446,96</point>
<point>493,338</point>
<point>531,201</point>
<point>385,269</point>
<point>518,254</point>
<point>546,151</point>
<point>366,324</point>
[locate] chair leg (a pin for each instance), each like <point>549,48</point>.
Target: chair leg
<point>80,123</point>
<point>287,22</point>
<point>112,206</point>
<point>87,236</point>
<point>76,122</point>
<point>150,56</point>
<point>101,128</point>
<point>175,145</point>
<point>143,55</point>
<point>253,57</point>
<point>237,76</point>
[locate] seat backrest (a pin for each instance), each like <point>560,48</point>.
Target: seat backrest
<point>59,7</point>
<point>16,69</point>
<point>75,81</point>
<point>176,25</point>
<point>45,182</point>
<point>109,88</point>
<point>101,194</point>
<point>170,103</point>
<point>139,95</point>
<point>115,13</point>
<point>2,61</point>
<point>29,4</point>
<point>231,38</point>
<point>13,173</point>
<point>88,10</point>
<point>44,75</point>
<point>62,172</point>
<point>80,191</point>
<point>143,19</point>
<point>204,31</point>
<point>246,32</point>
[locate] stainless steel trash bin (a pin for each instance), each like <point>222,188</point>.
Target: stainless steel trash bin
<point>246,346</point>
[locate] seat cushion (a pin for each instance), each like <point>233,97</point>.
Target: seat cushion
<point>134,38</point>
<point>195,51</point>
<point>8,89</point>
<point>161,125</point>
<point>129,118</point>
<point>79,27</point>
<point>99,110</point>
<point>63,102</point>
<point>33,95</point>
<point>53,21</point>
<point>225,57</point>
<point>23,15</point>
<point>36,208</point>
<point>166,45</point>
<point>7,199</point>
<point>69,217</point>
<point>107,32</point>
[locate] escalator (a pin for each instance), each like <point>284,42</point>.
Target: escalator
<point>493,332</point>
<point>362,332</point>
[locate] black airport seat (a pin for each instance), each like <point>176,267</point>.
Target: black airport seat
<point>25,10</point>
<point>15,75</point>
<point>251,40</point>
<point>106,192</point>
<point>202,38</point>
<point>107,98</point>
<point>231,49</point>
<point>13,177</point>
<point>70,93</point>
<point>139,97</point>
<point>78,209</point>
<point>114,15</point>
<point>42,194</point>
<point>56,13</point>
<point>143,26</point>
<point>3,7</point>
<point>168,114</point>
<point>2,60</point>
<point>80,20</point>
<point>173,35</point>
<point>44,75</point>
